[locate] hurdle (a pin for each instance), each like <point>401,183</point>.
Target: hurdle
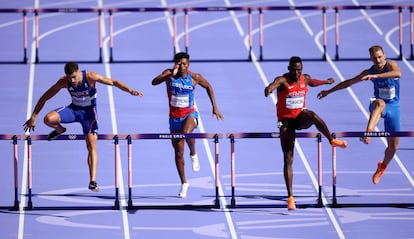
<point>111,12</point>
<point>354,134</point>
<point>71,137</point>
<point>14,139</point>
<point>171,136</point>
<point>256,135</point>
<point>251,10</point>
<point>37,11</point>
<point>24,14</point>
<point>374,7</point>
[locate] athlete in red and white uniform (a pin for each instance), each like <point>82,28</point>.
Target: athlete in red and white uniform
<point>292,115</point>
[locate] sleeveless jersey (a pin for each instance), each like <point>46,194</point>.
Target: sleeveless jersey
<point>181,96</point>
<point>84,95</point>
<point>387,89</point>
<point>292,99</point>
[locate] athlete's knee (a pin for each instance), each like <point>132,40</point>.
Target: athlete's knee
<point>51,118</point>
<point>379,104</point>
<point>179,150</point>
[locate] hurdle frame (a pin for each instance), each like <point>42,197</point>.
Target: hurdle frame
<point>172,136</point>
<point>357,134</point>
<point>244,135</point>
<point>186,10</point>
<point>29,138</point>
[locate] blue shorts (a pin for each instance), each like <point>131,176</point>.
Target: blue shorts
<point>86,116</point>
<point>177,124</point>
<point>391,116</point>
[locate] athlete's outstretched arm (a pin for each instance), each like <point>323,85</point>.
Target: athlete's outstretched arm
<point>278,81</point>
<point>394,71</point>
<point>344,84</point>
<point>52,91</point>
<point>93,76</point>
<point>315,82</point>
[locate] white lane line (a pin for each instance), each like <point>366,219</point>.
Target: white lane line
<point>20,233</point>
<point>123,202</point>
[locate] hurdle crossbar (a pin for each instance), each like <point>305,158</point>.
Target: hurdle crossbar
<point>245,135</point>
<point>356,134</point>
<point>173,136</point>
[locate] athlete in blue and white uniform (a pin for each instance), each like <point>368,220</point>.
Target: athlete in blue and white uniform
<point>385,74</point>
<point>83,106</point>
<point>180,84</point>
<point>82,88</point>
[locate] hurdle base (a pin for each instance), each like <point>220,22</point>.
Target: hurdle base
<point>130,204</point>
<point>217,203</point>
<point>29,205</point>
<point>16,205</point>
<point>334,202</point>
<point>233,203</point>
<point>116,205</point>
<point>319,203</point>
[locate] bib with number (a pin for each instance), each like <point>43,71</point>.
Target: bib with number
<point>295,102</point>
<point>180,101</point>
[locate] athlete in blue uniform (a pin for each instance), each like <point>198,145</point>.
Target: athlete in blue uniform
<point>180,83</point>
<point>82,88</point>
<point>385,74</point>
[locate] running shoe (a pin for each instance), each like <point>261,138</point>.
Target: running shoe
<point>93,186</point>
<point>195,163</point>
<point>183,190</point>
<point>339,143</point>
<point>291,203</point>
<point>380,171</point>
<point>54,134</point>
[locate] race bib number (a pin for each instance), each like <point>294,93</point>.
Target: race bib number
<point>180,101</point>
<point>81,101</point>
<point>387,93</point>
<point>295,102</point>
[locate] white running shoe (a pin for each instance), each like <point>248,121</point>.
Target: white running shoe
<point>183,190</point>
<point>195,163</point>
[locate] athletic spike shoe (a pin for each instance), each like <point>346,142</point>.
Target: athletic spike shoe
<point>183,190</point>
<point>93,186</point>
<point>291,203</point>
<point>195,163</point>
<point>339,143</point>
<point>54,134</point>
<point>380,171</point>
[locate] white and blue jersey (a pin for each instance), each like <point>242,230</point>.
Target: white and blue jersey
<point>181,101</point>
<point>83,106</point>
<point>388,89</point>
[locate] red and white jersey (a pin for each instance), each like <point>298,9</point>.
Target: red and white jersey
<point>291,98</point>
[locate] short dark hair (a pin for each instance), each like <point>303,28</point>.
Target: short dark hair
<point>71,67</point>
<point>181,55</point>
<point>295,59</point>
<point>375,48</point>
